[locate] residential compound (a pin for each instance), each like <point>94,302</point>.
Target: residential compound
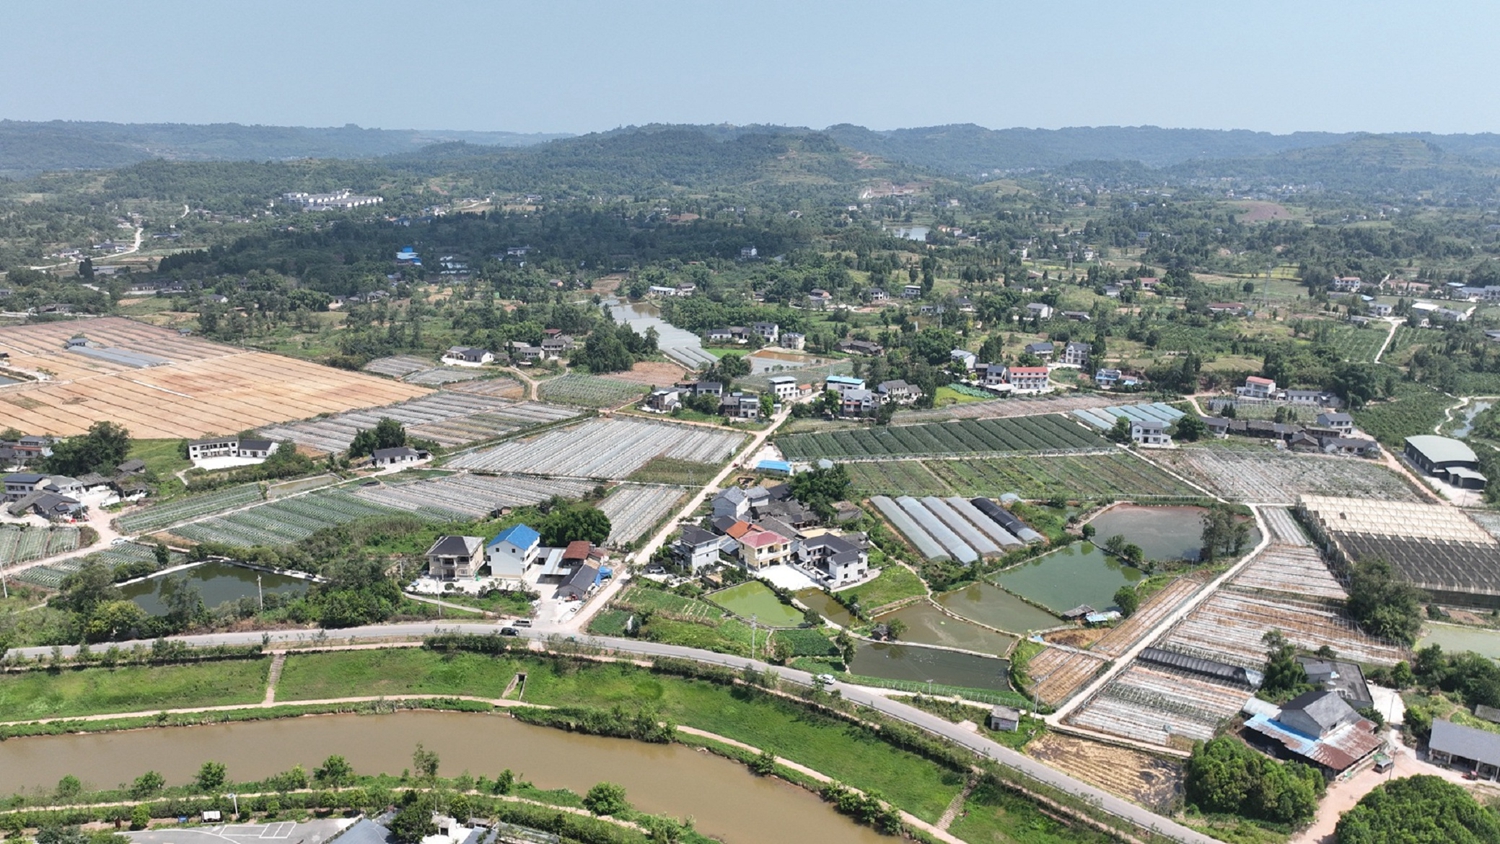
<point>516,555</point>
<point>760,526</point>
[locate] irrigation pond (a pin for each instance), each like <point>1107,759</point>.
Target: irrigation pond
<point>215,583</point>
<point>726,800</point>
<point>914,663</point>
<point>1456,639</point>
<point>1080,573</point>
<point>824,605</point>
<point>1163,533</point>
<point>753,598</point>
<point>988,604</point>
<point>928,625</point>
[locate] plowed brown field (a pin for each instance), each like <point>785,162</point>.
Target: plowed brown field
<point>205,388</point>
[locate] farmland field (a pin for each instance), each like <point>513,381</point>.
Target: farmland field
<point>415,370</point>
<point>167,386</point>
<point>283,522</point>
<point>1272,477</point>
<point>448,417</point>
<point>1004,408</point>
<point>633,509</point>
<point>158,516</point>
<point>1113,475</point>
<point>24,543</point>
<point>468,496</point>
<point>603,448</point>
<point>589,391</point>
<point>994,436</point>
<point>1140,777</point>
<point>1356,344</point>
<point>1414,409</point>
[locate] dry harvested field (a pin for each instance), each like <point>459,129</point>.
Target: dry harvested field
<point>1119,640</point>
<point>505,388</point>
<point>415,370</point>
<point>1160,706</point>
<point>448,417</point>
<point>651,373</point>
<point>1057,673</point>
<point>1228,627</point>
<point>603,448</point>
<point>1271,477</point>
<point>201,388</point>
<point>1291,570</point>
<point>1001,408</point>
<point>1142,778</point>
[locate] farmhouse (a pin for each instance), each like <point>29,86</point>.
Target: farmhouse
<point>738,405</point>
<point>857,402</point>
<point>898,392</point>
<point>1318,727</point>
<point>698,549</point>
<point>455,557</point>
<point>1446,459</point>
<point>1340,422</point>
<point>49,505</point>
<point>1004,719</point>
<point>1043,350</point>
<point>1257,388</point>
<point>840,383</point>
<point>396,456</point>
<point>580,583</point>
<point>760,547</point>
<point>733,503</point>
<point>1344,679</point>
<point>770,332</point>
<point>1152,432</point>
<point>1465,747</point>
<point>793,340</point>
<point>1039,310</point>
<point>911,291</point>
<point>1076,354</point>
<point>468,356</point>
<point>556,346</point>
<point>784,387</point>
<point>963,358</point>
<point>1032,379</point>
<point>835,560</point>
<point>664,400</point>
<point>512,550</point>
<point>230,447</point>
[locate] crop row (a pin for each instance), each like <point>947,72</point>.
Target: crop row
<point>1019,434</point>
<point>602,448</point>
<point>633,509</point>
<point>282,522</point>
<point>588,391</point>
<point>469,496</point>
<point>158,516</point>
<point>1080,476</point>
<point>1356,344</point>
<point>23,543</point>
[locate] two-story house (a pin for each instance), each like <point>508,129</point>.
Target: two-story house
<point>455,557</point>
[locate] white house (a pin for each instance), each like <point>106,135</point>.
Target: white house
<point>784,387</point>
<point>400,456</point>
<point>767,331</point>
<point>732,502</point>
<point>1257,387</point>
<point>793,340</point>
<point>858,402</point>
<point>1039,310</point>
<point>835,558</point>
<point>512,550</point>
<point>467,356</point>
<point>898,392</point>
<point>1149,432</point>
<point>1076,354</point>
<point>697,548</point>
<point>964,358</point>
<point>1028,379</point>
<point>213,447</point>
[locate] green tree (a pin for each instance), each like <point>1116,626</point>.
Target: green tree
<point>1120,433</point>
<point>606,798</point>
<point>114,620</point>
<point>163,554</point>
<point>1422,809</point>
<point>573,522</point>
<point>733,366</point>
<point>147,785</point>
<point>1224,533</point>
<point>1089,530</point>
<point>846,645</point>
<point>1383,603</point>
<point>895,628</point>
<point>413,820</point>
<point>1190,429</point>
<point>69,787</point>
<point>104,447</point>
<point>335,771</point>
<point>140,817</point>
<point>211,777</point>
<point>1224,776</point>
<point>1285,678</point>
<point>820,489</point>
<point>424,762</point>
<point>86,589</point>
<point>1127,599</point>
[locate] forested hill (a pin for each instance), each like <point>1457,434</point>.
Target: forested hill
<point>28,148</point>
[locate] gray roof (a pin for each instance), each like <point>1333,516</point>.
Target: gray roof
<point>1326,708</point>
<point>456,546</point>
<point>387,453</point>
<point>1345,678</point>
<point>697,536</point>
<point>24,478</point>
<point>583,577</point>
<point>256,445</point>
<point>1468,742</point>
<point>1331,418</point>
<point>1442,449</point>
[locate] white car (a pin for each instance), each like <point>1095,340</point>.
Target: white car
<point>119,540</point>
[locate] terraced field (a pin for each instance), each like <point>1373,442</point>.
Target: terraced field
<point>1110,475</point>
<point>449,418</point>
<point>634,508</point>
<point>603,448</point>
<point>1020,435</point>
<point>1271,477</point>
<point>1144,620</point>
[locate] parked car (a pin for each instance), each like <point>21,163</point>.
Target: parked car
<point>509,631</point>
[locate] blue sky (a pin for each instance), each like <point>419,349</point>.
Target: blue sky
<point>566,66</point>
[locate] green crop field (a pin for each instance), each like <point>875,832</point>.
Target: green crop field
<point>1356,344</point>
<point>588,391</point>
<point>1019,434</point>
<point>1080,476</point>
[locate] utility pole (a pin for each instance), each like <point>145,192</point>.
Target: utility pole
<point>261,596</point>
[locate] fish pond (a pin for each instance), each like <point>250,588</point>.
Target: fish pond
<point>1456,639</point>
<point>754,599</point>
<point>928,625</point>
<point>988,604</point>
<point>914,663</point>
<point>826,606</point>
<point>1163,533</point>
<point>214,582</point>
<point>1080,573</point>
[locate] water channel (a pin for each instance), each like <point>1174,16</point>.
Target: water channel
<point>1471,410</point>
<point>676,343</point>
<point>215,582</point>
<point>724,798</point>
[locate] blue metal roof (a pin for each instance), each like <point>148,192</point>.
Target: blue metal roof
<point>774,466</point>
<point>520,536</point>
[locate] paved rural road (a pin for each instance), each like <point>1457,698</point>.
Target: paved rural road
<point>865,697</point>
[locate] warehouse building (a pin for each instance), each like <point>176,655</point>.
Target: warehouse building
<point>1446,459</point>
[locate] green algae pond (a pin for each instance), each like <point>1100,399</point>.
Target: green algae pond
<point>1163,533</point>
<point>927,625</point>
<point>1080,573</point>
<point>1454,638</point>
<point>755,599</point>
<point>988,604</point>
<point>823,604</point>
<point>214,582</point>
<point>902,661</point>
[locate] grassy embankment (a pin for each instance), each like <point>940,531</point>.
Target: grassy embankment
<point>71,692</point>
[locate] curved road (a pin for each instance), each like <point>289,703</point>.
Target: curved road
<point>1143,818</point>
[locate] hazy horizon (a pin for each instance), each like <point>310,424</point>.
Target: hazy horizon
<point>577,67</point>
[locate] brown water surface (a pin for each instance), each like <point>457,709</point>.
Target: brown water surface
<point>725,799</point>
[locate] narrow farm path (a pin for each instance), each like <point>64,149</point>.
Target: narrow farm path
<point>1394,324</point>
<point>527,383</point>
<point>951,814</point>
<point>273,676</point>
